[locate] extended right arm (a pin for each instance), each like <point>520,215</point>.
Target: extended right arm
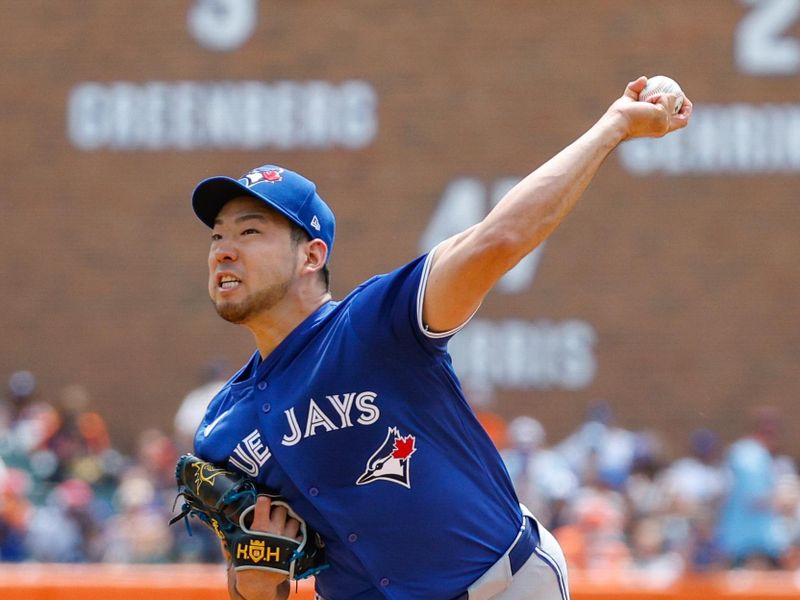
<point>467,265</point>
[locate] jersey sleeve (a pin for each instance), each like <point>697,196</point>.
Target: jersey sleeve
<point>389,308</point>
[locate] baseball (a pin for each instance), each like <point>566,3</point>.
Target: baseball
<point>659,85</point>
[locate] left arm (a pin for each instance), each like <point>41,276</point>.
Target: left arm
<point>253,584</point>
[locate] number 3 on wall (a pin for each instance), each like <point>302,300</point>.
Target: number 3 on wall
<point>762,43</point>
<point>222,25</point>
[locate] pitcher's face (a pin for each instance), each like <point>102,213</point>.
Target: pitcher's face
<point>252,260</point>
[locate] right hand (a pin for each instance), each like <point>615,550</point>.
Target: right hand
<point>646,119</point>
<point>252,584</point>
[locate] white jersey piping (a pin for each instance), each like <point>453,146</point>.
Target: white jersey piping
<point>421,297</point>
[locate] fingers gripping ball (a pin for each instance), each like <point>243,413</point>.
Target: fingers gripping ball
<point>659,85</point>
<point>224,501</point>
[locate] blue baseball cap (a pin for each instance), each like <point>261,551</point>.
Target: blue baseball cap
<point>289,193</point>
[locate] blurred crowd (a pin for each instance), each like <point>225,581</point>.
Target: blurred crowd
<point>67,495</point>
<point>615,498</point>
<point>617,501</point>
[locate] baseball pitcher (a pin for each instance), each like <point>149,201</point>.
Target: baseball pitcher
<point>344,448</point>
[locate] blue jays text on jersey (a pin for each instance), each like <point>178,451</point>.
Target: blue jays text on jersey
<point>358,420</point>
<point>250,454</point>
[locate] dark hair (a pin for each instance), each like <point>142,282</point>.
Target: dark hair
<point>299,235</point>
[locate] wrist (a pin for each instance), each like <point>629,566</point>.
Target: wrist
<point>256,584</point>
<point>614,127</point>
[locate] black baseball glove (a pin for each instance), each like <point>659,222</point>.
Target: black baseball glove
<point>224,501</point>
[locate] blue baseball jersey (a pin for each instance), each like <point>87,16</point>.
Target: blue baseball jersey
<point>358,420</point>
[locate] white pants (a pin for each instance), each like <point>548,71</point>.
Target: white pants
<point>542,577</point>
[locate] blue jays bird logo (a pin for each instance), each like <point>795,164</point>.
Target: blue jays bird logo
<point>392,461</point>
<point>257,176</point>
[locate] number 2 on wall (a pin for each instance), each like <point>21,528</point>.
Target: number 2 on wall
<point>763,44</point>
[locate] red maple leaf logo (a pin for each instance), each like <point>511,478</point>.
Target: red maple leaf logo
<point>403,447</point>
<point>271,176</point>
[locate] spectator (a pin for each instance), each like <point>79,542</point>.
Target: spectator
<point>15,510</point>
<point>650,555</point>
<point>787,503</point>
<point>138,532</point>
<point>32,422</point>
<point>21,389</point>
<point>67,512</point>
<point>156,455</point>
<point>599,449</point>
<point>749,530</point>
<point>696,481</point>
<point>542,477</point>
<point>701,550</point>
<point>593,536</point>
<point>644,488</point>
<point>193,406</point>
<point>692,488</point>
<point>80,439</point>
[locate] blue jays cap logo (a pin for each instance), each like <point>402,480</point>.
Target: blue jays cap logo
<point>257,176</point>
<point>392,461</point>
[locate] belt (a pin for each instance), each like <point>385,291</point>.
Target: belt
<point>523,548</point>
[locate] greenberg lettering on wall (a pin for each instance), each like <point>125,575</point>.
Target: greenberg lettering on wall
<point>222,115</point>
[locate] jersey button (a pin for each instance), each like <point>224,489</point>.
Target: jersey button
<point>384,582</point>
<point>266,407</point>
<point>352,538</point>
<point>313,492</point>
<point>262,385</point>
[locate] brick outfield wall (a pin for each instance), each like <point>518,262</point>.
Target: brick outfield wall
<point>689,282</point>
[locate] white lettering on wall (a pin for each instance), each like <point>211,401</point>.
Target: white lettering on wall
<point>246,115</point>
<point>521,354</point>
<point>734,138</point>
